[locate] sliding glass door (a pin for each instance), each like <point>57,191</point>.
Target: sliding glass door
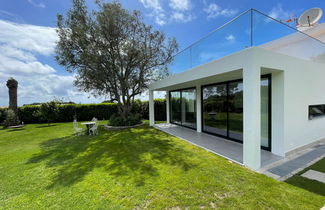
<point>175,107</point>
<point>235,109</point>
<point>189,108</point>
<point>222,110</point>
<point>266,112</point>
<point>183,107</point>
<point>215,109</point>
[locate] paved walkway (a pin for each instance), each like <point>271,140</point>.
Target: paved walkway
<point>220,146</point>
<point>315,175</point>
<point>290,167</point>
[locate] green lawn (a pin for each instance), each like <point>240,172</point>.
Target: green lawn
<point>45,167</point>
<point>309,184</point>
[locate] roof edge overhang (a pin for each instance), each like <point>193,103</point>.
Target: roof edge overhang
<point>230,66</point>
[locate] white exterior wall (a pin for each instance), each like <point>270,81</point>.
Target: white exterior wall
<point>151,108</point>
<point>167,107</point>
<point>252,116</point>
<point>304,85</point>
<point>277,113</point>
<point>300,83</point>
<point>198,109</point>
<point>296,84</point>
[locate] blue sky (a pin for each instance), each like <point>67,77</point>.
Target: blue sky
<point>27,36</point>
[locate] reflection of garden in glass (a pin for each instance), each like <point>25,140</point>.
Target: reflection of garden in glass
<point>175,107</point>
<point>183,107</point>
<point>189,108</point>
<point>235,108</point>
<point>223,110</point>
<point>215,109</point>
<point>265,109</point>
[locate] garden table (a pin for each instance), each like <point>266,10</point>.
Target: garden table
<point>89,125</point>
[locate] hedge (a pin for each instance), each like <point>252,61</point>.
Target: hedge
<point>160,110</point>
<point>86,112</point>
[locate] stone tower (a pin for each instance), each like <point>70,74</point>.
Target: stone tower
<point>12,85</point>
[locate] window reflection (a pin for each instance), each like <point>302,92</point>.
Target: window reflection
<point>183,107</point>
<point>215,109</point>
<point>223,110</point>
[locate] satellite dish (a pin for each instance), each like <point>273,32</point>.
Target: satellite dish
<point>310,17</point>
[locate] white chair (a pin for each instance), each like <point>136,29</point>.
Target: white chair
<point>78,131</point>
<point>94,129</point>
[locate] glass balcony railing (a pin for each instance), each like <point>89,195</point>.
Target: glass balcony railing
<point>251,28</point>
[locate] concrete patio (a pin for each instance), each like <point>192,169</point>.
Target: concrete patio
<point>220,146</point>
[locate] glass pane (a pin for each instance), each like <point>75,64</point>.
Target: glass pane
<point>251,28</point>
<point>181,62</point>
<point>189,108</point>
<point>175,107</point>
<point>265,97</point>
<point>280,38</point>
<point>215,109</point>
<point>316,111</point>
<point>235,110</point>
<point>229,39</point>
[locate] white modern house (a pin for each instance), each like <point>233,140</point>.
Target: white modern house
<point>254,87</point>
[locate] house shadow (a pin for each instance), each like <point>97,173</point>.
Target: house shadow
<point>131,154</point>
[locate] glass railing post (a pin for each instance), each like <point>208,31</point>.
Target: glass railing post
<point>251,26</point>
<point>191,63</point>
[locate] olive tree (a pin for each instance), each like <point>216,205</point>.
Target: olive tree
<point>112,52</point>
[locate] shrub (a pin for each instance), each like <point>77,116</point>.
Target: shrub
<point>11,118</point>
<point>2,114</point>
<point>48,111</point>
<point>160,110</point>
<point>84,112</point>
<point>117,120</point>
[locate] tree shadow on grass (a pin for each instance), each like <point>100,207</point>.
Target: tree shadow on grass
<point>129,155</point>
<point>15,129</point>
<point>46,126</point>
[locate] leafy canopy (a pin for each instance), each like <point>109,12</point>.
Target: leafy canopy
<point>112,51</point>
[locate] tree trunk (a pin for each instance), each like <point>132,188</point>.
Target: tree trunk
<point>125,110</point>
<point>12,85</point>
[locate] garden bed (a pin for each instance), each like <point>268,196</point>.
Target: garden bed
<point>109,127</point>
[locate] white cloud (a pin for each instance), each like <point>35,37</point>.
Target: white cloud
<point>179,11</point>
<point>35,4</point>
<point>12,52</point>
<point>151,4</point>
<point>20,47</point>
<point>181,17</point>
<point>213,10</point>
<point>19,43</point>
<point>157,11</point>
<point>10,16</point>
<point>38,39</point>
<point>42,88</point>
<point>279,13</point>
<point>160,19</point>
<point>230,38</point>
<point>18,67</point>
<point>181,5</point>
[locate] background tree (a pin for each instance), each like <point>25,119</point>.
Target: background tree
<point>11,114</point>
<point>112,52</point>
<point>48,111</point>
<point>12,85</point>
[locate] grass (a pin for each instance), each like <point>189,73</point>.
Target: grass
<point>45,167</point>
<point>309,184</point>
